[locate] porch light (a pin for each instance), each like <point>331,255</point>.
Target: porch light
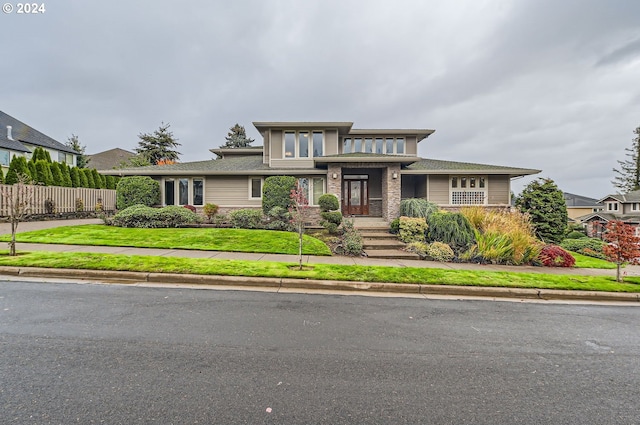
<point>394,175</point>
<point>334,175</point>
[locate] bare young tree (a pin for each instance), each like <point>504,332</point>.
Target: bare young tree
<point>299,211</point>
<point>19,197</point>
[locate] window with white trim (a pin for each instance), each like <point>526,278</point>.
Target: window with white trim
<point>183,191</point>
<point>634,206</point>
<point>379,145</point>
<point>255,188</point>
<point>612,206</point>
<point>5,157</point>
<point>303,144</point>
<point>313,188</point>
<point>468,190</point>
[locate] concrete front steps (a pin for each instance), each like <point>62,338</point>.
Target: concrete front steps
<point>378,242</point>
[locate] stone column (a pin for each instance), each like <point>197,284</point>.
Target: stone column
<point>334,186</point>
<point>391,192</point>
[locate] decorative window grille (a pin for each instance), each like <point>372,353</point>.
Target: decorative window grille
<point>468,198</point>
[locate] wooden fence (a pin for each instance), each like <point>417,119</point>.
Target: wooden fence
<point>65,199</point>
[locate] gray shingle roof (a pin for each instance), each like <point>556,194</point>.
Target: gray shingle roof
<point>627,218</point>
<point>573,200</point>
<point>21,132</point>
<point>633,196</point>
<point>438,166</point>
<point>108,159</point>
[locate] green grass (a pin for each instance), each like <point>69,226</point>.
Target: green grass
<point>585,262</point>
<point>413,275</point>
<point>235,240</point>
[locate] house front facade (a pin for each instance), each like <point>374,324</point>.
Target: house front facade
<point>369,170</point>
<point>18,138</point>
<point>621,207</point>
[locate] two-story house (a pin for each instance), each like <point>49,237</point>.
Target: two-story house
<point>17,138</point>
<point>625,208</point>
<point>369,170</point>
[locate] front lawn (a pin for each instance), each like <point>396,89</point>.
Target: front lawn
<point>236,240</point>
<point>415,275</point>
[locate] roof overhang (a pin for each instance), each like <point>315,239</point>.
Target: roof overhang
<point>512,173</point>
<point>185,173</point>
<point>420,134</point>
<point>341,126</point>
<point>347,158</point>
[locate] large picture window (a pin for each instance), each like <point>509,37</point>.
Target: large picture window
<point>313,188</point>
<point>183,191</point>
<point>303,144</point>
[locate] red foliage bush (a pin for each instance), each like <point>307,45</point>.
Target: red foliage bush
<point>190,207</point>
<point>554,256</point>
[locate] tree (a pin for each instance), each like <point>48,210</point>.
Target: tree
<point>43,170</point>
<point>299,211</point>
<point>237,138</point>
<point>623,244</point>
<point>134,161</point>
<point>18,198</point>
<point>159,146</point>
<point>628,176</point>
<point>56,174</point>
<point>81,159</point>
<point>66,175</point>
<point>17,167</point>
<point>40,154</point>
<point>91,183</point>
<point>75,177</point>
<point>545,204</point>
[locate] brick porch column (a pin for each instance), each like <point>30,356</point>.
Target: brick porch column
<point>391,193</point>
<point>334,186</point>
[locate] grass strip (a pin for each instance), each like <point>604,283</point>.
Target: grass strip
<point>153,264</point>
<point>203,239</point>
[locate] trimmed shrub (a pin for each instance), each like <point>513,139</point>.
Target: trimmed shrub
<point>328,202</point>
<point>417,207</point>
<point>1,176</point>
<point>110,182</point>
<point>394,226</point>
<point>555,256</point>
<point>66,175</point>
<point>351,243</point>
<point>246,218</point>
<point>279,219</point>
<point>17,166</point>
<point>43,170</point>
<point>134,190</point>
<point>91,183</point>
<point>331,220</point>
<point>84,181</point>
<point>451,228</point>
<point>586,246</point>
<point>276,192</point>
<point>209,211</point>
<point>575,234</point>
<point>419,248</point>
<point>56,174</point>
<point>98,179</point>
<point>412,229</point>
<point>439,251</point>
<point>75,177</point>
<point>142,216</point>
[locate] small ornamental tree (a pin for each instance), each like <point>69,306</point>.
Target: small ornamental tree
<point>18,198</point>
<point>545,204</point>
<point>623,245</point>
<point>299,211</point>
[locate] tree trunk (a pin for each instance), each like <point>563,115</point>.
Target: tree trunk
<point>300,244</point>
<point>618,275</point>
<point>12,244</point>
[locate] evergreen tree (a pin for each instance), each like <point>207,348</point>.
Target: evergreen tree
<point>545,204</point>
<point>43,173</point>
<point>17,167</point>
<point>32,169</point>
<point>81,159</point>
<point>56,174</point>
<point>75,177</point>
<point>159,146</point>
<point>66,175</point>
<point>110,181</point>
<point>84,182</point>
<point>97,179</point>
<point>237,138</point>
<point>91,183</point>
<point>628,176</point>
<point>1,176</point>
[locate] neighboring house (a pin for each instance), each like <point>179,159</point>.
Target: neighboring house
<point>17,138</point>
<point>109,159</point>
<point>370,171</point>
<point>625,208</point>
<point>578,206</point>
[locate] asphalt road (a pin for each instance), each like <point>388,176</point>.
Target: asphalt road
<point>86,354</point>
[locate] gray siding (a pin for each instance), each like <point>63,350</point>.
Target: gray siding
<point>292,163</point>
<point>331,142</point>
<point>438,192</point>
<point>276,144</point>
<point>266,148</point>
<point>412,146</point>
<point>229,191</point>
<point>499,187</point>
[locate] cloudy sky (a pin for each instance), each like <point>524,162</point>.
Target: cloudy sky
<point>545,84</point>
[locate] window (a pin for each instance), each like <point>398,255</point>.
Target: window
<point>69,159</point>
<point>468,190</point>
<point>612,206</point>
<point>62,157</point>
<point>346,145</point>
<point>183,191</point>
<point>318,189</point>
<point>379,145</point>
<point>389,146</point>
<point>255,188</point>
<point>198,192</point>
<point>634,206</point>
<point>318,142</point>
<point>368,145</point>
<point>312,188</point>
<point>4,157</point>
<point>303,144</point>
<point>289,144</point>
<point>357,145</point>
<point>400,146</point>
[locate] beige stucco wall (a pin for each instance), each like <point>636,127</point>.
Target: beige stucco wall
<point>331,142</point>
<point>275,143</point>
<point>229,191</point>
<point>266,147</point>
<point>498,188</point>
<point>412,146</point>
<point>438,189</point>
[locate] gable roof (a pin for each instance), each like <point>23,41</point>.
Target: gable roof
<point>573,200</point>
<point>607,217</point>
<point>22,133</point>
<point>108,159</point>
<point>633,196</point>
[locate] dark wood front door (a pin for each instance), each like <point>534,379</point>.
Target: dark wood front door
<point>356,197</point>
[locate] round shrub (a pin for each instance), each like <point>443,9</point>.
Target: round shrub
<point>575,234</point>
<point>394,226</point>
<point>419,248</point>
<point>246,218</point>
<point>134,190</point>
<point>279,218</point>
<point>276,192</point>
<point>438,251</point>
<point>555,256</point>
<point>331,220</point>
<point>210,210</point>
<point>142,216</point>
<point>328,202</point>
<point>412,229</point>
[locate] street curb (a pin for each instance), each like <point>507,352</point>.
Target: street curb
<point>267,282</point>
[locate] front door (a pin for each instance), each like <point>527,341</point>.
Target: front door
<point>356,196</point>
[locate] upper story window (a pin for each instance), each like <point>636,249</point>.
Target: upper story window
<point>302,144</point>
<point>379,145</point>
<point>612,206</point>
<point>635,206</point>
<point>4,157</point>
